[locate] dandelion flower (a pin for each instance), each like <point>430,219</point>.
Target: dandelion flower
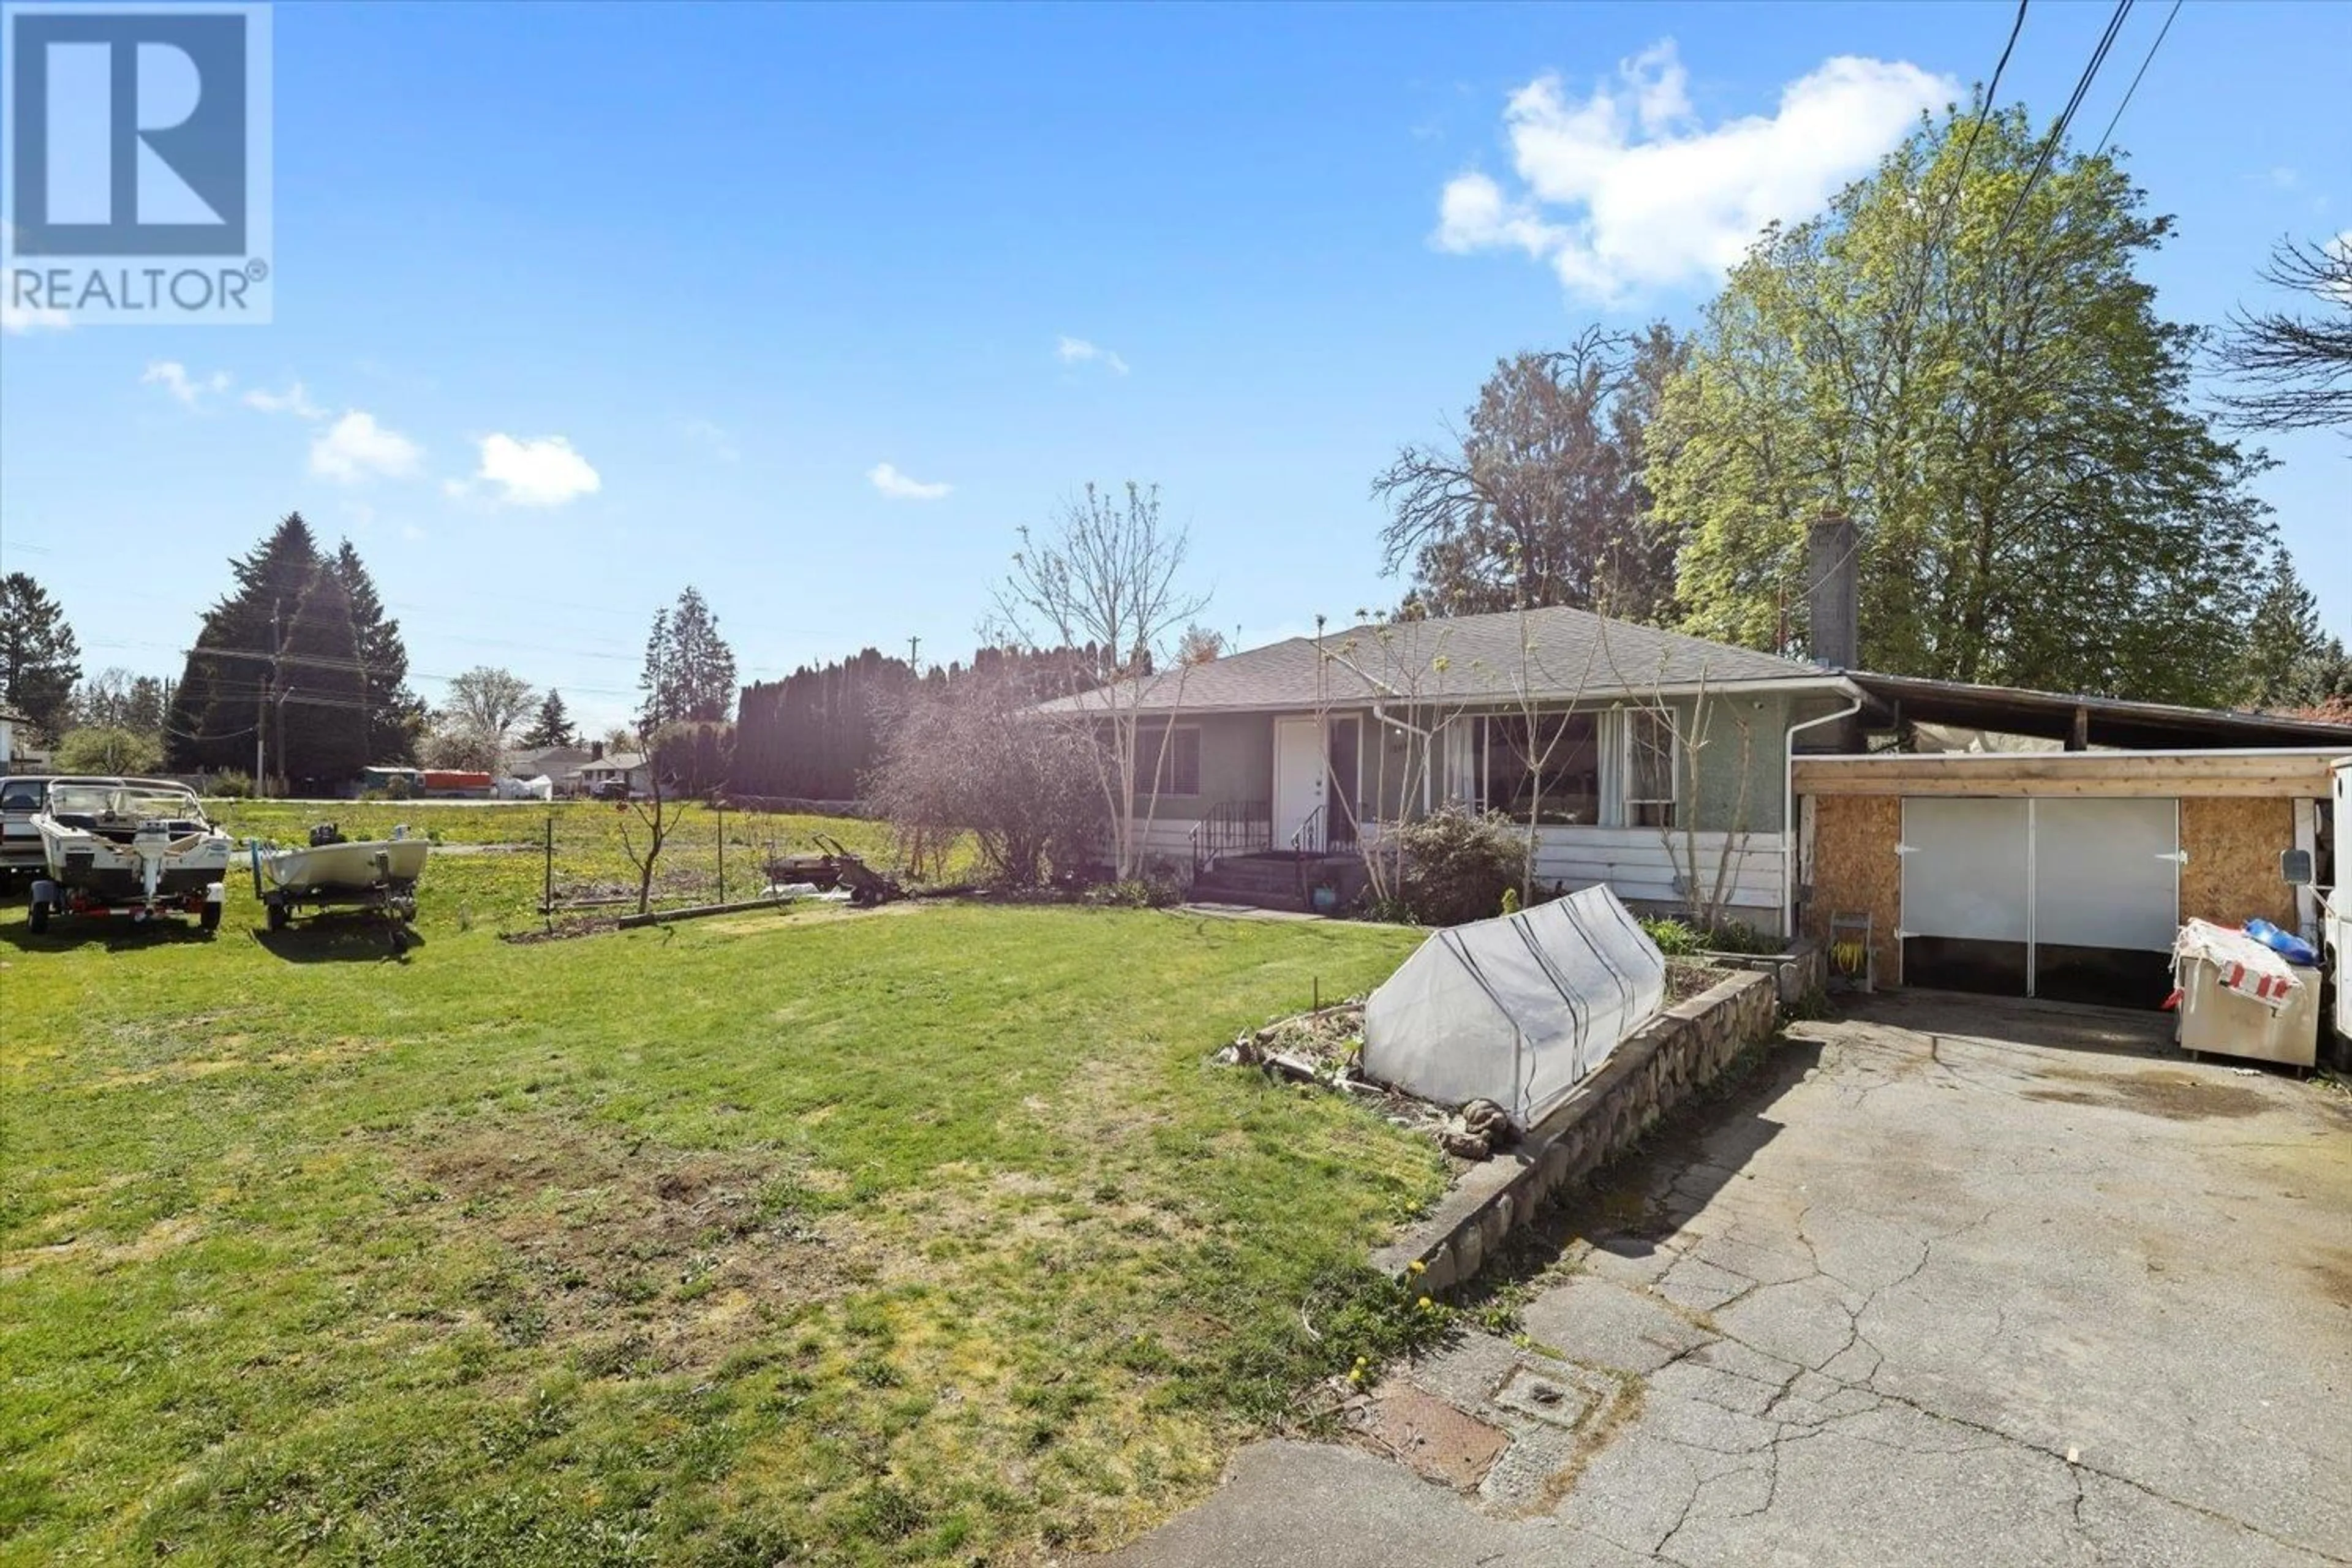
<point>1416,1267</point>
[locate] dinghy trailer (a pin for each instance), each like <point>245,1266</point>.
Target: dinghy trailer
<point>375,876</point>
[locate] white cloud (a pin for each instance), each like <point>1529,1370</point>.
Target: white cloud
<point>17,318</point>
<point>294,400</point>
<point>1626,190</point>
<point>173,378</point>
<point>356,448</point>
<point>2284,178</point>
<point>543,471</point>
<point>1077,351</point>
<point>900,487</point>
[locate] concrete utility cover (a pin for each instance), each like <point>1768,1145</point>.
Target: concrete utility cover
<point>1955,1281</point>
<point>1431,1437</point>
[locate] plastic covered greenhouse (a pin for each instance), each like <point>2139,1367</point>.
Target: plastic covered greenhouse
<point>1516,1010</point>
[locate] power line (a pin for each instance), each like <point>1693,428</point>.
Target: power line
<point>2134,88</point>
<point>2066,115</point>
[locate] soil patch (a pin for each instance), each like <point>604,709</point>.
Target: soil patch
<point>641,1260</point>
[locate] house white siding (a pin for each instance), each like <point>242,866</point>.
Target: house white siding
<point>1647,864</point>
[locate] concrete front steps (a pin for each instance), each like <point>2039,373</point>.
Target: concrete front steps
<point>1276,881</point>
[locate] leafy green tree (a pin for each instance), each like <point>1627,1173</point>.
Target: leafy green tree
<point>552,727</point>
<point>107,749</point>
<point>40,660</point>
<point>1541,499</point>
<point>2000,411</point>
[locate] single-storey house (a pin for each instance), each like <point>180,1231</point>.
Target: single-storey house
<point>12,723</point>
<point>617,770</point>
<point>2053,855</point>
<point>1645,759</point>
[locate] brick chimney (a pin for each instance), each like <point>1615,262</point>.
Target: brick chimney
<point>595,751</point>
<point>1833,593</point>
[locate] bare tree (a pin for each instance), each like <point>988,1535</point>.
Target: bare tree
<point>1104,574</point>
<point>1666,752</point>
<point>1545,699</point>
<point>485,705</point>
<point>2294,372</point>
<point>656,815</point>
<point>1405,664</point>
<point>1542,498</point>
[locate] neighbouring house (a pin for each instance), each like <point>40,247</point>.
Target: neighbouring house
<point>1645,759</point>
<point>559,766</point>
<point>12,723</point>
<point>615,773</point>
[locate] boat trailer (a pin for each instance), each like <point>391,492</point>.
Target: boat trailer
<point>391,898</point>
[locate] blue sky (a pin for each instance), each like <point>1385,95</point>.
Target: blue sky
<point>728,265</point>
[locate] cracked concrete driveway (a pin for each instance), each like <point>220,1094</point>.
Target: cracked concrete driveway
<point>1954,1281</point>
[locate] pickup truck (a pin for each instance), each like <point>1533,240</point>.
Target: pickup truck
<point>21,855</point>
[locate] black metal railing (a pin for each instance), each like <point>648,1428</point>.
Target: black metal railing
<point>1232,827</point>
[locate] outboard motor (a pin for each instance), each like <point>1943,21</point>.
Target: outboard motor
<point>324,833</point>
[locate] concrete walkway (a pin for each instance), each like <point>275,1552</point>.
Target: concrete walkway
<point>1958,1281</point>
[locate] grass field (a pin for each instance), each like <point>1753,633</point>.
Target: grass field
<point>497,876</point>
<point>920,1234</point>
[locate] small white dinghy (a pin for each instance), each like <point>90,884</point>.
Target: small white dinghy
<point>331,871</point>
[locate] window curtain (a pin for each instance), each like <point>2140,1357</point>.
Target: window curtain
<point>1613,770</point>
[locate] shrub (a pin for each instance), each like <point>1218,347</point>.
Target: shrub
<point>1680,939</point>
<point>1675,939</point>
<point>399,786</point>
<point>231,786</point>
<point>968,759</point>
<point>1458,863</point>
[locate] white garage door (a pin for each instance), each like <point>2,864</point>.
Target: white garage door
<point>2076,898</point>
<point>2107,873</point>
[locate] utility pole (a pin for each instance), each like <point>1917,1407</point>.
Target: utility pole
<point>912,644</point>
<point>261,707</point>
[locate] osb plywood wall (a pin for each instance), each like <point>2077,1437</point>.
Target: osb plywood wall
<point>1856,871</point>
<point>2233,873</point>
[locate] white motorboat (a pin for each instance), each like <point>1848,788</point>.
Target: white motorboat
<point>379,873</point>
<point>133,847</point>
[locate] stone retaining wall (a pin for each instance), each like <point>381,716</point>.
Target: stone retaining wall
<point>1678,1052</point>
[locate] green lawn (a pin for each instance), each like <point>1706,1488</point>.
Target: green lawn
<point>498,876</point>
<point>924,1234</point>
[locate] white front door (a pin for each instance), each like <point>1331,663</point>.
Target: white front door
<point>1298,775</point>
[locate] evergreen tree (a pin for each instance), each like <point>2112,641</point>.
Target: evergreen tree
<point>396,715</point>
<point>2000,410</point>
<point>228,674</point>
<point>40,660</point>
<point>690,670</point>
<point>321,717</point>
<point>2290,661</point>
<point>552,727</point>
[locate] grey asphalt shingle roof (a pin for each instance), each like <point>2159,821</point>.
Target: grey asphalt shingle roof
<point>1464,658</point>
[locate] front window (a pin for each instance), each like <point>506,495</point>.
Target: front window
<point>1547,771</point>
<point>1175,767</point>
<point>1650,781</point>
